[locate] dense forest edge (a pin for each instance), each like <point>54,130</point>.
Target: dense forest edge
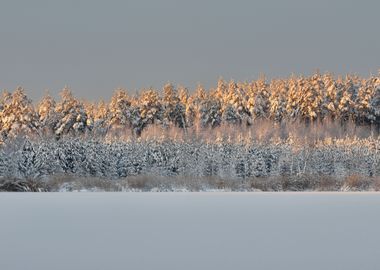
<point>299,133</point>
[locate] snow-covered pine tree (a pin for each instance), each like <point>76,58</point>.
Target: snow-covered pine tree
<point>4,164</point>
<point>174,110</point>
<point>151,109</point>
<point>233,110</point>
<point>136,122</point>
<point>120,111</point>
<point>90,110</point>
<point>90,165</point>
<point>18,116</point>
<point>184,97</point>
<point>311,100</point>
<point>45,161</point>
<point>364,112</point>
<point>375,105</point>
<point>47,115</point>
<point>194,106</point>
<point>221,89</point>
<point>346,107</point>
<point>260,108</point>
<point>5,101</point>
<point>277,100</point>
<point>331,97</point>
<point>27,166</point>
<point>230,115</point>
<point>72,115</point>
<point>210,112</point>
<point>101,119</point>
<point>70,154</point>
<point>293,98</point>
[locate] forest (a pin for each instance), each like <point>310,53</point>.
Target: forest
<point>295,133</point>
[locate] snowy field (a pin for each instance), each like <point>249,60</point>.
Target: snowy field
<point>190,231</point>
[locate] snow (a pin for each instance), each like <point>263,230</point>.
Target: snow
<point>189,231</point>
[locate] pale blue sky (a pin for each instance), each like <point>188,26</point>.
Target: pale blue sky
<point>96,46</point>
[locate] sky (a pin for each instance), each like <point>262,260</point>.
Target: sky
<point>95,46</point>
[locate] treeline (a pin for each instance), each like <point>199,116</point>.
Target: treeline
<point>42,159</point>
<point>318,98</point>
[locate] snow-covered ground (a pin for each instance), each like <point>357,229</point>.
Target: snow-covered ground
<point>189,231</point>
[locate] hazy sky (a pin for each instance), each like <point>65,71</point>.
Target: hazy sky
<point>96,46</point>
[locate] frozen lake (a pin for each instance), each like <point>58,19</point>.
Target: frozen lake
<point>190,231</point>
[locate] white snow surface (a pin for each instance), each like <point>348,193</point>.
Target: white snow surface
<point>189,231</point>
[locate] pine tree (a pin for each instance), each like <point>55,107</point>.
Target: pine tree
<point>47,115</point>
<point>293,98</point>
<point>194,106</point>
<point>5,101</point>
<point>277,100</point>
<point>151,109</point>
<point>260,100</point>
<point>4,164</point>
<point>311,98</point>
<point>233,105</point>
<point>346,105</point>
<point>119,109</point>
<point>363,109</point>
<point>101,119</point>
<point>27,160</point>
<point>375,105</point>
<point>174,110</point>
<point>333,92</point>
<point>211,112</point>
<point>18,115</point>
<point>72,115</point>
<point>185,101</point>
